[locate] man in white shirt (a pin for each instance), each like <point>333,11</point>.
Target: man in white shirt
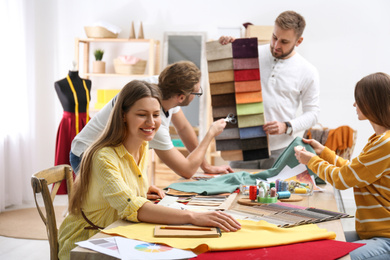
<point>179,84</point>
<point>287,80</point>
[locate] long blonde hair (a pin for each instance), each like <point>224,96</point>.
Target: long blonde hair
<point>113,135</point>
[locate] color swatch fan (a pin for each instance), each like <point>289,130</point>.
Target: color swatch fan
<point>235,89</point>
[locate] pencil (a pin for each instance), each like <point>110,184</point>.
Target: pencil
<point>186,228</point>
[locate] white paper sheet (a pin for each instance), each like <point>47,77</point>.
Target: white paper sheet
<point>134,249</point>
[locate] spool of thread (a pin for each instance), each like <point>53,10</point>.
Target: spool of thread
<point>261,192</point>
<point>272,192</point>
<point>284,194</point>
<point>300,190</point>
<point>252,192</point>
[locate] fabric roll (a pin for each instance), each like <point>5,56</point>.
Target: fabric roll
<point>223,100</point>
<point>233,155</point>
<point>221,112</point>
<point>250,120</point>
<point>252,132</point>
<point>245,64</point>
<point>257,154</point>
<point>247,86</point>
<point>222,88</point>
<point>230,133</point>
<point>232,144</point>
<point>245,75</point>
<point>221,76</point>
<point>249,97</point>
<point>245,48</point>
<point>250,109</point>
<point>217,51</point>
<point>220,65</point>
<point>254,143</point>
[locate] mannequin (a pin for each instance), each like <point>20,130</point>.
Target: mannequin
<point>74,95</point>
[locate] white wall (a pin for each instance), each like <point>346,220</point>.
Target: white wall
<point>345,40</point>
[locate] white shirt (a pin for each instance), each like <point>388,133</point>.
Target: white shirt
<point>285,84</point>
<point>90,132</point>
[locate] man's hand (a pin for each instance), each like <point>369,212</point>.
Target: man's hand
<point>275,128</point>
<point>226,39</point>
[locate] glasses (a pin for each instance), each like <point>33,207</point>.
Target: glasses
<point>198,93</point>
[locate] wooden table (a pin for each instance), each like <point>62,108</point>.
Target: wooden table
<point>323,200</point>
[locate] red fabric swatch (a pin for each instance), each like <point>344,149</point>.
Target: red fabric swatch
<point>245,75</point>
<point>321,249</point>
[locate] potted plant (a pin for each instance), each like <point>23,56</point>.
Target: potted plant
<point>98,66</point>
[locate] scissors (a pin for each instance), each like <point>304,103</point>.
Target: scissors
<point>231,119</point>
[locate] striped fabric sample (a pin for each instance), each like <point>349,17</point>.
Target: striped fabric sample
<point>235,89</point>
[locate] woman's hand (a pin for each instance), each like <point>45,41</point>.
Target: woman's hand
<point>318,148</point>
<point>155,193</point>
<point>216,219</point>
<point>302,155</point>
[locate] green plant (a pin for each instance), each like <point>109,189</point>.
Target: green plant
<point>98,54</point>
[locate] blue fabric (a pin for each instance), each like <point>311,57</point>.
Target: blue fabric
<point>230,182</point>
<point>252,132</point>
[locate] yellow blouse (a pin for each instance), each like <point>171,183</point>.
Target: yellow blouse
<point>117,190</point>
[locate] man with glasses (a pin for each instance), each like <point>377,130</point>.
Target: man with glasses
<point>179,84</point>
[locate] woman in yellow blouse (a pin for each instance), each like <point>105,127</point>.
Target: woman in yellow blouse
<point>113,183</point>
<point>368,174</point>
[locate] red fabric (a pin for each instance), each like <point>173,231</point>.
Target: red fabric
<point>65,134</point>
<point>321,249</point>
<point>246,75</point>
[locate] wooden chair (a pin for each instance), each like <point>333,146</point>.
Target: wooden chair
<point>39,183</point>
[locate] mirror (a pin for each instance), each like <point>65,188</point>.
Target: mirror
<point>190,46</point>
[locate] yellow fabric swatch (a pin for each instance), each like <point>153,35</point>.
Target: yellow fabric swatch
<point>251,235</point>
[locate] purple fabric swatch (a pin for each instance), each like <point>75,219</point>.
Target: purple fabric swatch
<point>245,48</point>
<point>245,64</point>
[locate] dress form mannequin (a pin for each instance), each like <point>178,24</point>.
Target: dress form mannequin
<point>74,95</point>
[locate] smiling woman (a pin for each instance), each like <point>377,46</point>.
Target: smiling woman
<point>112,183</point>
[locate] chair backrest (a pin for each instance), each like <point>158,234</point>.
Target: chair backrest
<point>40,182</point>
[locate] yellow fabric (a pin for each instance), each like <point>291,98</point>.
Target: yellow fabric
<point>76,101</point>
<point>117,190</point>
<point>251,235</point>
<point>87,95</point>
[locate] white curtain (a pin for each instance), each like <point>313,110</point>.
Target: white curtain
<point>17,101</point>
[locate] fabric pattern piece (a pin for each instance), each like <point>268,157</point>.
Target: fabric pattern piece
<point>222,88</point>
<point>252,132</point>
<point>217,51</point>
<point>245,64</point>
<point>219,112</point>
<point>221,76</point>
<point>245,48</point>
<point>220,65</point>
<point>250,108</point>
<point>250,120</point>
<point>247,86</point>
<point>245,75</point>
<point>222,100</point>
<point>249,97</point>
<point>230,133</point>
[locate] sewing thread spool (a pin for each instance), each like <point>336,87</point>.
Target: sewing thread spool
<point>273,192</point>
<point>284,194</point>
<point>301,190</point>
<point>253,192</point>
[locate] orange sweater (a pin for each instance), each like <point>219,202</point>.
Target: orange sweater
<point>369,175</point>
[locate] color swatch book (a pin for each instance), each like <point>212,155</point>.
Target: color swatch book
<point>235,89</point>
